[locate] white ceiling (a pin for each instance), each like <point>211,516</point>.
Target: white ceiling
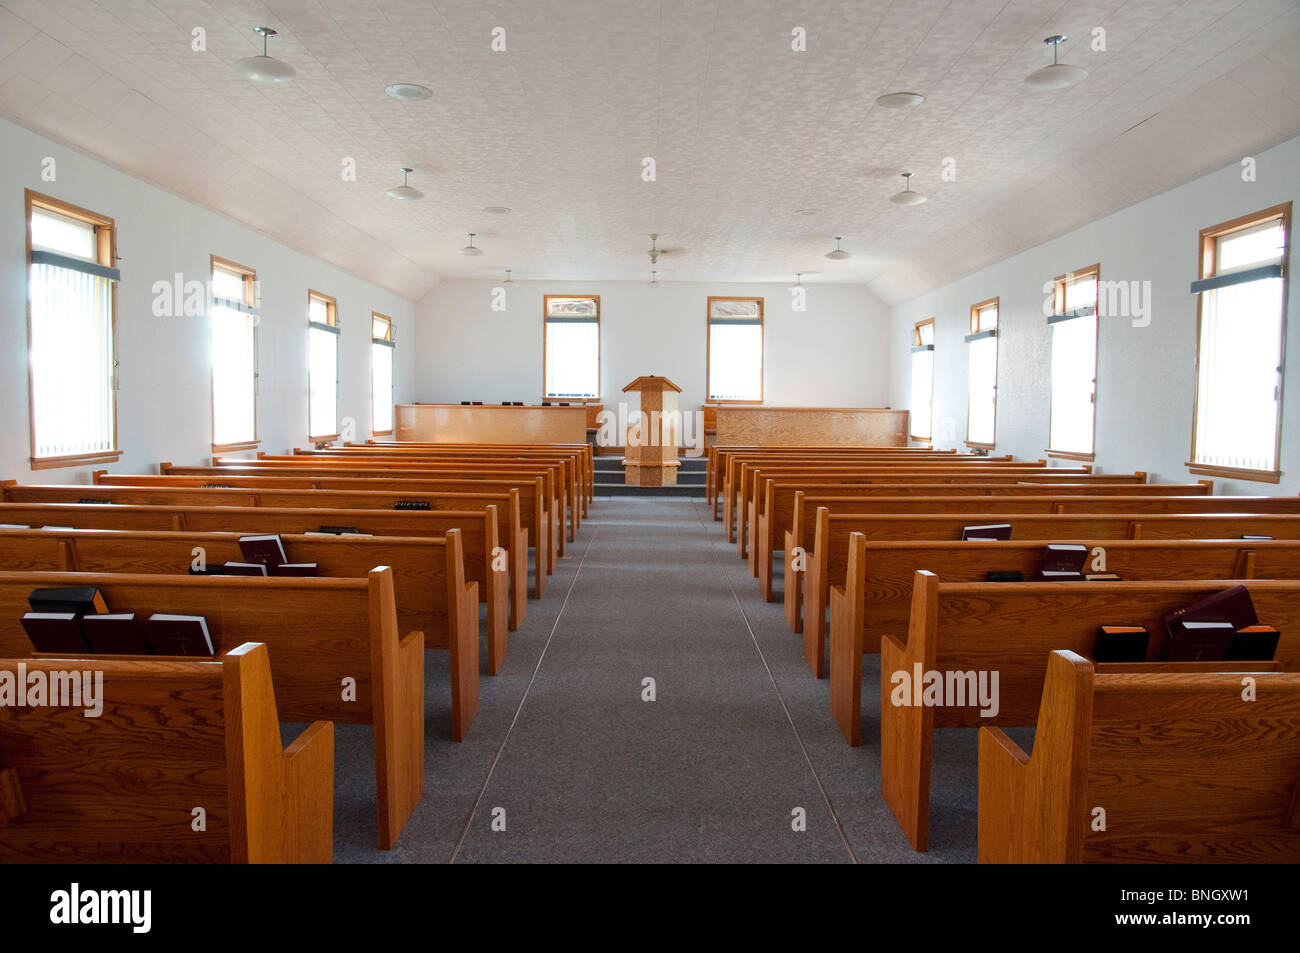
<point>744,131</point>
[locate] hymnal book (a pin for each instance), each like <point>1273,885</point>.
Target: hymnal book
<point>55,632</point>
<point>268,549</point>
<point>13,526</point>
<point>1066,558</point>
<point>987,531</point>
<point>1257,537</point>
<point>1231,605</point>
<point>217,486</point>
<point>1004,575</point>
<point>1102,577</point>
<point>76,599</point>
<point>115,633</point>
<point>1121,643</point>
<point>1192,641</point>
<point>411,505</point>
<point>244,569</point>
<point>56,527</point>
<point>1254,643</point>
<point>1053,575</point>
<point>95,499</point>
<point>294,569</point>
<point>337,531</point>
<point>179,634</point>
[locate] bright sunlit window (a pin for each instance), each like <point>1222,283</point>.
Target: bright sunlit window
<point>322,366</point>
<point>1241,299</point>
<point>982,374</point>
<point>922,405</point>
<point>571,346</point>
<point>1073,325</point>
<point>72,308</point>
<point>233,317</point>
<point>735,368</point>
<point>381,374</point>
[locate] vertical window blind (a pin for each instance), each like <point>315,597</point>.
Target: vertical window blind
<point>736,349</point>
<point>381,374</point>
<point>921,422</point>
<point>322,367</point>
<point>1074,364</point>
<point>233,319</point>
<point>572,332</point>
<point>982,374</point>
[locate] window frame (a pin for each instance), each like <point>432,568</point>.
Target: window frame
<point>106,255</point>
<point>249,276</point>
<point>917,343</point>
<point>546,307</point>
<point>1206,244</point>
<point>708,350</point>
<point>332,322</point>
<point>1058,308</point>
<point>390,341</point>
<point>975,309</point>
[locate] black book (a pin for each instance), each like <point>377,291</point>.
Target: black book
<point>267,549</point>
<point>1231,605</point>
<point>1121,643</point>
<point>340,530</point>
<point>179,634</point>
<point>94,499</point>
<point>1064,559</point>
<point>411,505</point>
<point>1004,575</point>
<point>294,569</point>
<point>987,531</point>
<point>1192,641</point>
<point>116,633</point>
<point>82,600</point>
<point>244,569</point>
<point>57,633</point>
<point>1254,643</point>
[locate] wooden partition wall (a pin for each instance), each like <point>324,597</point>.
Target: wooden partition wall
<point>811,426</point>
<point>490,423</point>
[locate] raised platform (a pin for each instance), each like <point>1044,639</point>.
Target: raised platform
<point>690,479</point>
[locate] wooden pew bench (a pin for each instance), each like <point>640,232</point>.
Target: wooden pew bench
<point>1225,793</point>
<point>173,734</point>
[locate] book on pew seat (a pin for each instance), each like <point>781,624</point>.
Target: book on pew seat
<point>95,499</point>
<point>115,633</point>
<point>179,634</point>
<point>57,527</point>
<point>267,549</point>
<point>1052,575</point>
<point>13,526</point>
<point>1121,643</point>
<point>337,531</point>
<point>1232,605</point>
<point>987,531</point>
<point>1193,641</point>
<point>1004,575</point>
<point>1257,537</point>
<point>55,632</point>
<point>1254,643</point>
<point>1062,562</point>
<point>295,569</point>
<point>1102,576</point>
<point>78,599</point>
<point>244,569</point>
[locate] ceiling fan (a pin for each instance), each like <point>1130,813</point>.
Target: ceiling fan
<point>655,251</point>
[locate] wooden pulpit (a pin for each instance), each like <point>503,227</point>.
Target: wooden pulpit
<point>654,423</point>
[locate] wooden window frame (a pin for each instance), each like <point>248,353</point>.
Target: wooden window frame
<point>975,310</point>
<point>708,350</point>
<point>105,254</point>
<point>249,276</point>
<point>1058,307</point>
<point>331,320</point>
<point>389,339</point>
<point>916,342</point>
<point>580,401</point>
<point>1206,246</point>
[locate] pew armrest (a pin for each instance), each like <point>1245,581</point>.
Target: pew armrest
<point>12,803</point>
<point>309,796</point>
<point>1003,767</point>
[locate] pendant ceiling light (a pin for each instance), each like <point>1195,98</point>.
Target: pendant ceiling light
<point>798,281</point>
<point>408,92</point>
<point>1057,75</point>
<point>404,191</point>
<point>839,254</point>
<point>265,70</point>
<point>907,196</point>
<point>654,278</point>
<point>470,249</point>
<point>509,280</point>
<point>899,100</point>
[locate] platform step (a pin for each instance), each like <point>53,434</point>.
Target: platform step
<point>622,489</point>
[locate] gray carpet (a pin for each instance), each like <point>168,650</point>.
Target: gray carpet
<point>583,770</point>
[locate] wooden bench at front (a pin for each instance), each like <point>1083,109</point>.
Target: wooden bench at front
<point>876,598</point>
<point>335,652</point>
<point>1224,793</point>
<point>828,561</point>
<point>173,735</point>
<point>428,579</point>
<point>1011,628</point>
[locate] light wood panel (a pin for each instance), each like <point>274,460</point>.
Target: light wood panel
<point>490,423</point>
<point>811,426</point>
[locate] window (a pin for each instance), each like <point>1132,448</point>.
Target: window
<point>735,350</point>
<point>381,374</point>
<point>72,310</point>
<point>322,367</point>
<point>233,317</point>
<point>571,346</point>
<point>1241,315</point>
<point>922,403</point>
<point>982,374</point>
<point>1073,323</point>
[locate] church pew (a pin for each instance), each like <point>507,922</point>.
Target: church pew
<point>511,538</point>
<point>173,734</point>
<point>876,596</point>
<point>827,563</point>
<point>335,652</point>
<point>479,530</point>
<point>784,500</point>
<point>1224,794</point>
<point>428,579</point>
<point>1010,629</point>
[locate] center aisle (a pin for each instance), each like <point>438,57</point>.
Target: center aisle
<point>711,770</point>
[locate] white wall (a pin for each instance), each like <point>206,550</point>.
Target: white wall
<point>1146,375</point>
<point>164,400</point>
<point>834,354</point>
